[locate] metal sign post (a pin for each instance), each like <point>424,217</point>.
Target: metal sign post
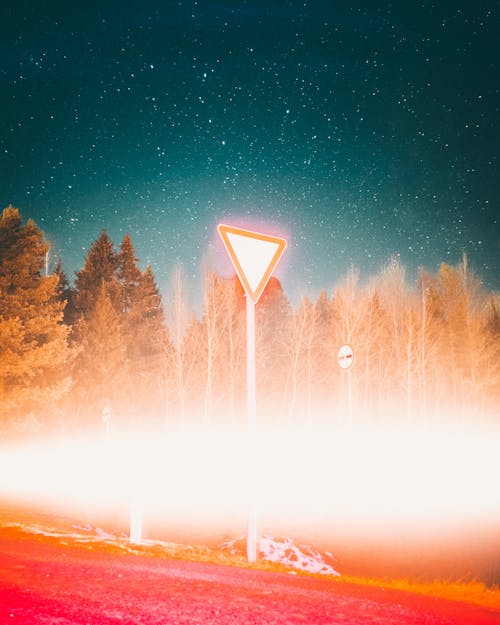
<point>136,521</point>
<point>254,257</point>
<point>345,358</point>
<point>252,423</point>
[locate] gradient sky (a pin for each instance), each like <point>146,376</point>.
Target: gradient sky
<point>359,130</point>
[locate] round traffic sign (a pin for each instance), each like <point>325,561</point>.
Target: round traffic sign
<point>345,356</point>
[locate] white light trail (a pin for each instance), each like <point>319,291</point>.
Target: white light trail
<point>365,479</point>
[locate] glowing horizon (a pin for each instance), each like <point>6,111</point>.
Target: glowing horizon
<point>359,479</point>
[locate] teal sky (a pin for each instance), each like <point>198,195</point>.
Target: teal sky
<point>359,131</point>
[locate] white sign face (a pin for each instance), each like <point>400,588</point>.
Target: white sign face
<point>254,256</point>
<point>345,356</point>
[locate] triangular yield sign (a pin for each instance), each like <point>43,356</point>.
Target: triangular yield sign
<point>254,257</point>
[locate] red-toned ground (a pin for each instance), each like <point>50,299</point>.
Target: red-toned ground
<point>43,581</point>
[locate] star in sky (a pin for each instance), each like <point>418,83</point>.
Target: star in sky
<point>359,132</point>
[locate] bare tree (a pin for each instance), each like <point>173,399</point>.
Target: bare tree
<point>233,337</point>
<point>300,352</point>
<point>179,317</point>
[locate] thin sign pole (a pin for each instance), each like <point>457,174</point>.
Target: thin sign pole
<point>251,414</point>
<point>349,387</point>
<point>251,402</point>
<point>254,256</point>
<point>136,521</point>
<point>345,357</point>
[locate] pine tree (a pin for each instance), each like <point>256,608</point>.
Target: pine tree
<point>34,354</point>
<point>147,345</point>
<point>113,295</point>
<point>100,266</point>
<point>65,294</point>
<point>100,371</point>
<point>97,330</point>
<point>144,333</point>
<point>129,275</point>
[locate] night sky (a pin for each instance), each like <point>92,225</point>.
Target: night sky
<point>359,131</point>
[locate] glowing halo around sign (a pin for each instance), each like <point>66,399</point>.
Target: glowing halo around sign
<point>254,256</point>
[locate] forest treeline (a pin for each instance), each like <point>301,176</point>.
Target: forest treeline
<point>108,346</point>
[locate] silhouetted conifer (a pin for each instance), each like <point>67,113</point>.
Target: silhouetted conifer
<point>34,354</point>
<point>100,266</point>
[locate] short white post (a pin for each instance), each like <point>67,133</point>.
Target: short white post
<point>136,521</point>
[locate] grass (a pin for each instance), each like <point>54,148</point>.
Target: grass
<point>468,592</point>
<point>473,591</point>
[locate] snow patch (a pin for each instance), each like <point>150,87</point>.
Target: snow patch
<point>81,533</point>
<point>283,551</point>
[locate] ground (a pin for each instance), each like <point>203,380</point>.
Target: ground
<point>47,580</point>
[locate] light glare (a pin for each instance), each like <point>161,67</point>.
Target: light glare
<point>368,479</point>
